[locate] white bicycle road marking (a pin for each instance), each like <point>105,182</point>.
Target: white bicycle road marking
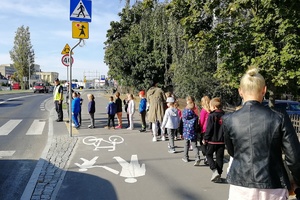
<point>108,144</point>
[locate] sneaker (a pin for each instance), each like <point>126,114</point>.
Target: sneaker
<point>215,176</point>
<point>163,138</point>
<point>107,127</point>
<point>154,139</point>
<point>175,138</point>
<point>171,150</point>
<point>73,125</point>
<point>90,126</point>
<point>197,162</point>
<point>185,160</point>
<point>129,128</point>
<point>118,127</point>
<point>143,130</point>
<point>219,180</point>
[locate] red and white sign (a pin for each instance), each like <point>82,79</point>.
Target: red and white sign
<point>65,60</point>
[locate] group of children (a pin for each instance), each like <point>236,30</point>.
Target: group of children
<point>205,129</point>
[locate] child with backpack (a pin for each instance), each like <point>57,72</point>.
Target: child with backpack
<point>190,129</point>
<point>171,123</point>
<point>214,138</point>
<point>111,112</point>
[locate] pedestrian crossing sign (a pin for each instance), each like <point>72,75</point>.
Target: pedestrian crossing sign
<point>81,10</point>
<point>80,30</point>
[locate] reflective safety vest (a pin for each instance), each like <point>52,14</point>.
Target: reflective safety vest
<point>56,94</point>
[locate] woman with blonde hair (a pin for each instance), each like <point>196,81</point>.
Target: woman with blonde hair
<point>257,137</point>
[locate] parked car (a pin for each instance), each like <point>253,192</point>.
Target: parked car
<point>291,107</point>
<point>40,87</point>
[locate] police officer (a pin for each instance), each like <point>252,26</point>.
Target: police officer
<point>58,99</point>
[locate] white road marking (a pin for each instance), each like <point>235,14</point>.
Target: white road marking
<point>36,128</point>
<point>9,126</point>
<point>6,153</point>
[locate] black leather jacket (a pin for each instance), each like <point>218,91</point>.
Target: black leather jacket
<point>257,137</point>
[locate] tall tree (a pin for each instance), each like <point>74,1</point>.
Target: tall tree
<point>22,55</point>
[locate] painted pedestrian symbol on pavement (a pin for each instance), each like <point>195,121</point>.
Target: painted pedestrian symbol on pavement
<point>130,170</point>
<point>100,143</point>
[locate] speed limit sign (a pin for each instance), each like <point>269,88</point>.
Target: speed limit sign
<point>66,60</point>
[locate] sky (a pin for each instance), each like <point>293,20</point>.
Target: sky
<point>51,29</point>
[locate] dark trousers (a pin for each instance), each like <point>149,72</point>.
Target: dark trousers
<point>219,150</point>
<point>203,147</point>
<point>195,148</point>
<point>92,119</point>
<point>128,121</point>
<point>143,119</point>
<point>58,108</point>
<point>79,117</point>
<point>112,119</point>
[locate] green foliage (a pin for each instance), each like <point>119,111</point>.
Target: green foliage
<point>204,47</point>
<point>22,55</point>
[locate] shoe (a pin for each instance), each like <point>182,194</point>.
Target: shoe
<point>129,128</point>
<point>90,126</point>
<point>219,180</point>
<point>59,120</point>
<point>118,127</point>
<point>154,139</point>
<point>175,138</point>
<point>107,127</point>
<point>77,127</point>
<point>206,162</point>
<point>215,176</point>
<point>185,159</point>
<point>197,162</point>
<point>163,138</point>
<point>73,125</point>
<point>143,130</point>
<point>171,150</point>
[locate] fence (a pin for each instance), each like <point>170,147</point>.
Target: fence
<point>296,123</point>
<point>294,118</point>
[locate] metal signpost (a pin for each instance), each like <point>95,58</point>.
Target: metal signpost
<point>81,13</point>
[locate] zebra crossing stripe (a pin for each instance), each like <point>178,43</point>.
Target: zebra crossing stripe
<point>6,153</point>
<point>36,127</point>
<point>8,126</point>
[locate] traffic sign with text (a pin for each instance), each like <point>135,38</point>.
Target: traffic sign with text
<point>65,60</point>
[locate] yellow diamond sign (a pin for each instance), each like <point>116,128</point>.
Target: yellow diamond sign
<point>80,30</point>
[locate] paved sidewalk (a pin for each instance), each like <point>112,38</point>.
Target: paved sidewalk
<point>52,167</point>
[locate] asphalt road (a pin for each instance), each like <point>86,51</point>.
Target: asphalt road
<point>23,135</point>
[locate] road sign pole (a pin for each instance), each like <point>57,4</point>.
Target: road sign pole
<point>70,88</point>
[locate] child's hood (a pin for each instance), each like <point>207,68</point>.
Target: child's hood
<point>188,114</point>
<point>173,112</point>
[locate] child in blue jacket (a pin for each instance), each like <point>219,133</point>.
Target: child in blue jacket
<point>75,109</point>
<point>111,112</point>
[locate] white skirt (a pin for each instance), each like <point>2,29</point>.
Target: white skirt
<point>244,193</point>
